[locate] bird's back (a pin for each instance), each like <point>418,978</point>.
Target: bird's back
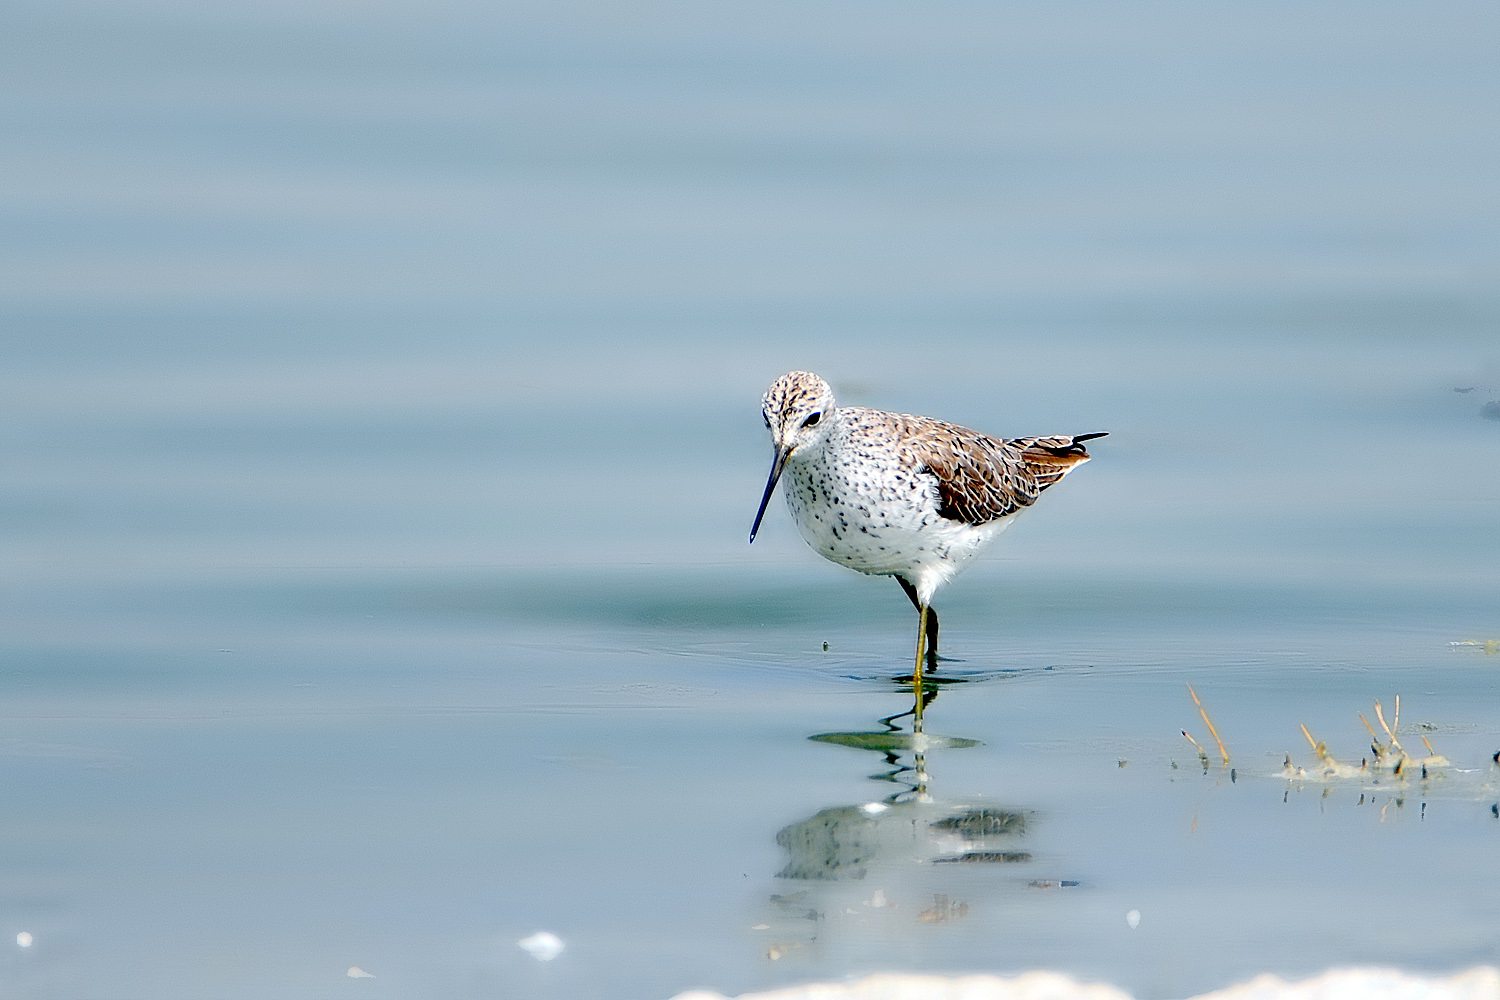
<point>979,478</point>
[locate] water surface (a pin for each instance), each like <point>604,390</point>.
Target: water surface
<point>378,399</point>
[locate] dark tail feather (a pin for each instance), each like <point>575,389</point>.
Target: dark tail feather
<point>1073,445</point>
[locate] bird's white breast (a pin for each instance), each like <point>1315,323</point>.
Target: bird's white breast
<point>858,505</point>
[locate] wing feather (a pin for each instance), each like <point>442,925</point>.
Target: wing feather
<point>982,479</point>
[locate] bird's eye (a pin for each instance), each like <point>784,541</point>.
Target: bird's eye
<point>812,420</point>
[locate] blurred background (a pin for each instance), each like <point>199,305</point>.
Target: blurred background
<point>371,342</point>
<point>383,284</point>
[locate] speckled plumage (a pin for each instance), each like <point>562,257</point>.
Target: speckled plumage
<point>896,494</point>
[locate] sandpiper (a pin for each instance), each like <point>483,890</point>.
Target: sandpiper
<point>892,494</point>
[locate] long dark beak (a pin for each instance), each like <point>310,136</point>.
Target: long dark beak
<point>777,464</point>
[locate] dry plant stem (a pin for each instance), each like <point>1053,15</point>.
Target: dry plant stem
<point>1318,748</point>
<point>1374,740</point>
<point>1390,731</point>
<point>1430,752</point>
<point>1201,755</point>
<point>1211,730</point>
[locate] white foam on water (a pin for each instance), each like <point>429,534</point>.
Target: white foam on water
<point>544,946</point>
<point>1339,984</point>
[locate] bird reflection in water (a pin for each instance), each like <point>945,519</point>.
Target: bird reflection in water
<point>884,865</point>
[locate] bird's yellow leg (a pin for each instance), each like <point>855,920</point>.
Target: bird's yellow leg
<point>916,674</point>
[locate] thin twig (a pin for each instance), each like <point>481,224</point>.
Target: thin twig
<point>1318,748</point>
<point>1201,755</point>
<point>1390,731</point>
<point>1212,731</point>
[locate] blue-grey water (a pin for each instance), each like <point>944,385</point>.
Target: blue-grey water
<point>379,442</point>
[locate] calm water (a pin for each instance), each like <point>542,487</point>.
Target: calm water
<point>379,439</point>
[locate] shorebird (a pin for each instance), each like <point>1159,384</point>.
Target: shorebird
<point>891,494</point>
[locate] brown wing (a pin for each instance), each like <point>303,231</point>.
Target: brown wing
<point>982,479</point>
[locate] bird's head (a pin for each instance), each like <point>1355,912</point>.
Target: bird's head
<point>796,409</point>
